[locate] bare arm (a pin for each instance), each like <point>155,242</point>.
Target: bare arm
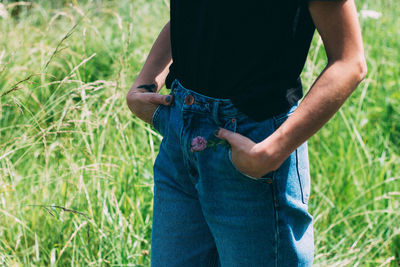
<point>338,26</point>
<point>151,78</point>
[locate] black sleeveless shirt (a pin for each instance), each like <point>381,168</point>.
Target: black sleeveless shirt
<point>251,52</point>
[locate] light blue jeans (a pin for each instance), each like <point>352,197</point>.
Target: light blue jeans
<point>206,212</point>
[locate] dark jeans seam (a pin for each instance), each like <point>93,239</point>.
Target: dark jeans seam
<point>299,177</point>
<point>275,195</point>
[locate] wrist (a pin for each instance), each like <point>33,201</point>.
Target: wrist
<point>272,151</point>
<point>145,85</point>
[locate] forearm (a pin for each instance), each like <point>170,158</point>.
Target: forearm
<point>155,69</point>
<point>328,93</point>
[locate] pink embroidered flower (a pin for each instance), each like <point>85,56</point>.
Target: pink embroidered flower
<point>198,144</point>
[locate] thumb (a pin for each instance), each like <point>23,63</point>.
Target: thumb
<point>226,134</point>
<point>157,98</point>
<point>168,99</point>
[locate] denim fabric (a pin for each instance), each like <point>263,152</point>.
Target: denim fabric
<point>206,212</point>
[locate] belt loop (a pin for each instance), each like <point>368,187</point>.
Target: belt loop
<point>173,89</point>
<point>215,112</point>
<point>174,83</point>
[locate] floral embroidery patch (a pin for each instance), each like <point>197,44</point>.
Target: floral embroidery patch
<point>199,143</point>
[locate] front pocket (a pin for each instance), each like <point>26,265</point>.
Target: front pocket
<point>257,132</point>
<point>155,114</point>
<point>158,119</point>
<point>265,178</point>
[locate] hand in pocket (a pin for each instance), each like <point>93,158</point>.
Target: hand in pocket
<point>246,155</point>
<point>143,103</point>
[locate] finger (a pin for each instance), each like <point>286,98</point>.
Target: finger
<point>156,98</point>
<point>232,137</point>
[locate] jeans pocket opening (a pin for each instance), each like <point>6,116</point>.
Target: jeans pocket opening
<point>156,119</point>
<point>232,125</point>
<point>155,114</point>
<point>266,178</point>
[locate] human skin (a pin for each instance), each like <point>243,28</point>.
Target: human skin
<point>143,97</point>
<point>337,23</point>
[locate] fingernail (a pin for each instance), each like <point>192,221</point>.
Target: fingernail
<point>168,99</point>
<point>216,132</point>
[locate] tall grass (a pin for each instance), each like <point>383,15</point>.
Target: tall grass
<point>76,166</point>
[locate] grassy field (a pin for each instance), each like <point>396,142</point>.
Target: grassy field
<point>76,165</point>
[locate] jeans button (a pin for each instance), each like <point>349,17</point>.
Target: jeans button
<point>189,99</point>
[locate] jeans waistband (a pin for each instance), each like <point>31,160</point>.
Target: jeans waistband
<point>194,101</point>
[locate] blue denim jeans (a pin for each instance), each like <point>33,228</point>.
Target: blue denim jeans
<point>206,212</point>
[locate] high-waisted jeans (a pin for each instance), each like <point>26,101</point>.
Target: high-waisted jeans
<point>206,212</point>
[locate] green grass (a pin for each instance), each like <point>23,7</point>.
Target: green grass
<point>68,139</point>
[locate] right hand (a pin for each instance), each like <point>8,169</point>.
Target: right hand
<point>143,103</point>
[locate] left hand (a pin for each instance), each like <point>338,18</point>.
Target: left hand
<point>246,154</point>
